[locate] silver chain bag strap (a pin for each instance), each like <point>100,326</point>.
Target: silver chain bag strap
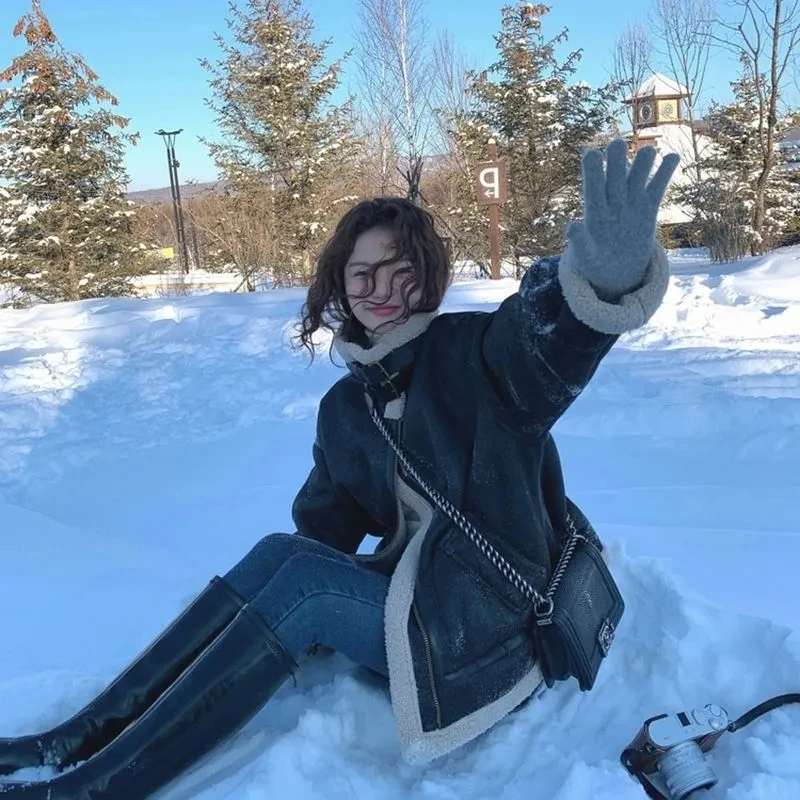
<point>575,620</point>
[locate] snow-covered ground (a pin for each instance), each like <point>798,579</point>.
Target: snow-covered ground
<point>145,445</point>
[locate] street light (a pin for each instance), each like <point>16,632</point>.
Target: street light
<point>172,163</point>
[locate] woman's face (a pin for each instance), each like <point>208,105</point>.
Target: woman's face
<point>379,310</point>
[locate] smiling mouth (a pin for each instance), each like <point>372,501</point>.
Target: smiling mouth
<point>384,310</point>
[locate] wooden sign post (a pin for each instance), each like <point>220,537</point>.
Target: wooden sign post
<point>492,191</point>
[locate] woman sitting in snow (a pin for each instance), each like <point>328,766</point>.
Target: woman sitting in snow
<point>472,398</point>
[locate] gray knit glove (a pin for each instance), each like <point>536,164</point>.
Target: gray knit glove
<point>614,242</point>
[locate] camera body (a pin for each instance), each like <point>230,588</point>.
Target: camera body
<point>672,746</point>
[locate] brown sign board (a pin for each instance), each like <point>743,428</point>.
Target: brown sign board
<point>491,183</point>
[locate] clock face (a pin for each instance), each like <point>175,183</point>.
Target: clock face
<point>646,112</point>
<point>667,109</point>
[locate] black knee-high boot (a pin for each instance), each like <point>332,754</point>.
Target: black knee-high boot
<point>213,698</point>
<point>132,693</point>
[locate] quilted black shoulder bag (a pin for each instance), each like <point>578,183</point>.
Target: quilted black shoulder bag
<point>574,622</point>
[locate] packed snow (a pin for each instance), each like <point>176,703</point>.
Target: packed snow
<point>145,445</point>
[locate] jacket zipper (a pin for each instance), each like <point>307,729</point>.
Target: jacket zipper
<point>429,661</point>
<point>417,616</point>
<point>425,639</point>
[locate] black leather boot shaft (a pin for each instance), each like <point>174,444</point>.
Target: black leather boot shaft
<point>215,697</point>
<point>133,691</point>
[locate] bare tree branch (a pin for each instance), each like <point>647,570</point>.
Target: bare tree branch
<point>686,30</point>
<point>450,98</point>
<point>766,37</point>
<point>633,52</point>
<point>396,71</point>
<point>375,96</point>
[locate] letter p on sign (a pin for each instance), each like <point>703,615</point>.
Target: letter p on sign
<point>492,184</point>
<point>490,180</point>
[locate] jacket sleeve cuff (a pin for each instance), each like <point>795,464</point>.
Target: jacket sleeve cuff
<point>633,310</point>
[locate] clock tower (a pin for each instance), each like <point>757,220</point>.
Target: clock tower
<point>658,109</point>
<point>659,101</point>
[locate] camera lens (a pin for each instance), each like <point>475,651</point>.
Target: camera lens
<point>685,770</point>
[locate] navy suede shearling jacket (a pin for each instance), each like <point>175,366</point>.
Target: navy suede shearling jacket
<point>472,397</point>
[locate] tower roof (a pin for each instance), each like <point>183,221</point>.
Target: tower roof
<point>658,85</point>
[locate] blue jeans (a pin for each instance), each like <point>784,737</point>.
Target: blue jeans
<point>311,594</point>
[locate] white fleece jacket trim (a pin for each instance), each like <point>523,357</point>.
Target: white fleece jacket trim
<point>414,326</point>
<point>417,745</point>
<point>632,311</point>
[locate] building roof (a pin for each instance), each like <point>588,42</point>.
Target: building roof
<point>792,135</point>
<point>658,85</point>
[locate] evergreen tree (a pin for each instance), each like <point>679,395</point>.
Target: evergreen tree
<point>541,122</point>
<point>455,203</point>
<point>65,224</point>
<point>725,200</point>
<point>283,140</point>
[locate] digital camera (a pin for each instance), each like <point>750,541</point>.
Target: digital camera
<point>672,746</point>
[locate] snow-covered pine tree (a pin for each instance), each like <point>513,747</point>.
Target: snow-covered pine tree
<point>65,224</point>
<point>283,140</point>
<point>725,200</point>
<point>541,122</point>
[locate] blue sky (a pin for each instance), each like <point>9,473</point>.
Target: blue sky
<point>146,52</point>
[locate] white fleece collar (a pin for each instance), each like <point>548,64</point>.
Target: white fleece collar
<point>414,326</point>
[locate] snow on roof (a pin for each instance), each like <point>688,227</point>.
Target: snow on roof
<point>658,85</point>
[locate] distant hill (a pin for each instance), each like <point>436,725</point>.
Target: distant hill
<point>164,195</point>
<point>150,197</point>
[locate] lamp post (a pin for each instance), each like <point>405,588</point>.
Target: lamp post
<point>172,163</point>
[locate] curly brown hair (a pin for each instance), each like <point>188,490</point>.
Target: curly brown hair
<point>416,241</point>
